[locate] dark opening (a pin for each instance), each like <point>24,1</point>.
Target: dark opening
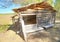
<point>31,19</point>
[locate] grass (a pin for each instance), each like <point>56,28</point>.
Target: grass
<point>4,27</point>
<point>5,21</point>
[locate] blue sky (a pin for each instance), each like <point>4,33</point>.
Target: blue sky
<point>9,8</point>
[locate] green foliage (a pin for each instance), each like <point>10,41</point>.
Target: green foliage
<point>29,2</point>
<point>57,5</point>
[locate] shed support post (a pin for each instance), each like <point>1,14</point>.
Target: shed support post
<point>23,28</point>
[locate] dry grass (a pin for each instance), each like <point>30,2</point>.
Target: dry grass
<point>5,19</point>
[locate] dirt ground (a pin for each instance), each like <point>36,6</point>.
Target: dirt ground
<point>49,35</point>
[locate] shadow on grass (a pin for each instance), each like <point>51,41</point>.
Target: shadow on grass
<point>17,29</point>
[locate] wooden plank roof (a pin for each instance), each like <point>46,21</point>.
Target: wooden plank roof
<point>36,6</point>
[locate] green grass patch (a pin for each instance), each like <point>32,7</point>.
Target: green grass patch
<point>4,27</point>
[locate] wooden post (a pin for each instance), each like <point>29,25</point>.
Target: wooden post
<point>23,27</point>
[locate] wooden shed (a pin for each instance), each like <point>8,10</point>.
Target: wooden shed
<point>35,17</point>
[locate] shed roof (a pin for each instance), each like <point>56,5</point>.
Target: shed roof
<point>36,6</point>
